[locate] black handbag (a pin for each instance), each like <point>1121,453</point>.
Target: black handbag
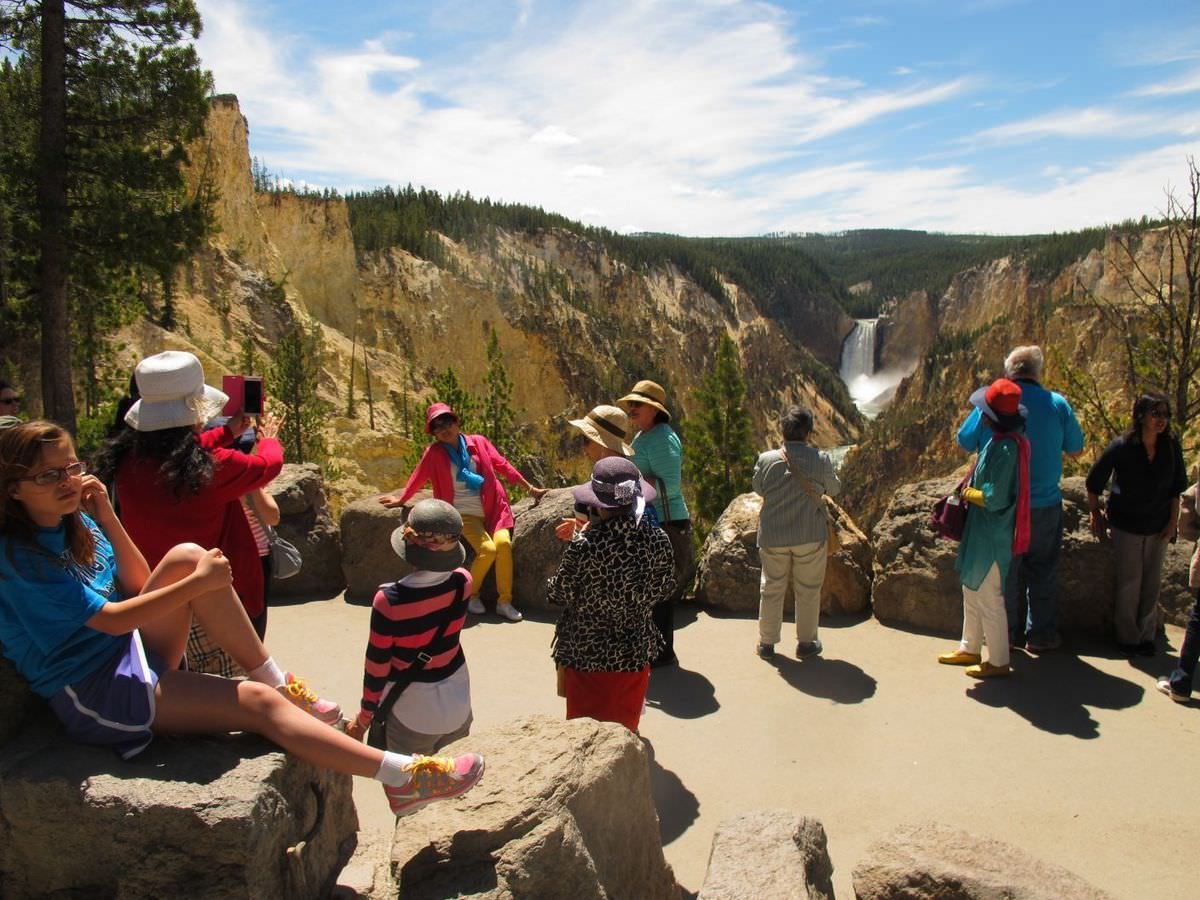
<point>377,733</point>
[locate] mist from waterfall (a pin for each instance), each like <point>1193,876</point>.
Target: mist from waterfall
<point>870,390</point>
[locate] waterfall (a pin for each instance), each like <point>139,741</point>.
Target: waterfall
<point>871,391</point>
<point>858,351</point>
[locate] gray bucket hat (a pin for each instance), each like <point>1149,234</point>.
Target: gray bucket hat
<point>430,539</point>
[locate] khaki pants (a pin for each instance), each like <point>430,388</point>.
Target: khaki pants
<point>1138,559</point>
<point>803,565</point>
<point>402,739</point>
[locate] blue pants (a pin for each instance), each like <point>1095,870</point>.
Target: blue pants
<point>1031,589</point>
<point>1181,678</point>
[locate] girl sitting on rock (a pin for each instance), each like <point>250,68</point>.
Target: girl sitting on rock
<point>100,635</point>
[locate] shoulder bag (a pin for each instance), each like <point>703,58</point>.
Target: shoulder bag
<point>949,515</point>
<point>377,734</point>
<point>285,557</point>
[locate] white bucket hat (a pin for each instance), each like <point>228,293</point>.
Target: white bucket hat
<point>174,394</point>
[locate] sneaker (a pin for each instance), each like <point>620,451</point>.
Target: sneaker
<point>959,658</point>
<point>508,611</point>
<point>304,697</point>
<point>1165,686</point>
<point>434,778</point>
<point>766,651</point>
<point>987,670</point>
<point>1043,646</point>
<point>806,649</point>
<point>475,605</point>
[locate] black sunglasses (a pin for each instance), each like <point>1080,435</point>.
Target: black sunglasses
<point>441,422</point>
<point>10,401</point>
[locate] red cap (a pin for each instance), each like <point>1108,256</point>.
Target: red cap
<point>1003,397</point>
<point>435,410</point>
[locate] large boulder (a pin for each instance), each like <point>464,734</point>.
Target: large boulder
<point>536,550</point>
<point>18,704</point>
<point>729,570</point>
<point>564,810</point>
<point>306,522</point>
<point>936,861</point>
<point>215,817</point>
<point>916,585</point>
<point>769,853</point>
<point>367,557</point>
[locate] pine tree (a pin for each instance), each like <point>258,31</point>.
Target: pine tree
<point>110,93</point>
<point>294,375</point>
<point>719,459</point>
<point>446,389</point>
<point>248,361</point>
<point>498,416</point>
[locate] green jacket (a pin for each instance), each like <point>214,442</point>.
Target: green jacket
<point>988,537</point>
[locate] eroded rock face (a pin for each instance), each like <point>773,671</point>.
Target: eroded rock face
<point>729,570</point>
<point>306,522</point>
<point>212,817</point>
<point>916,584</point>
<point>769,853</point>
<point>936,861</point>
<point>563,810</point>
<point>368,560</point>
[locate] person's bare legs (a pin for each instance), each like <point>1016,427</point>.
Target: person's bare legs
<point>192,703</point>
<point>220,612</point>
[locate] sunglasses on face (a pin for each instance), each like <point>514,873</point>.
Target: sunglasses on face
<point>441,423</point>
<point>1163,414</point>
<point>9,401</point>
<point>54,476</point>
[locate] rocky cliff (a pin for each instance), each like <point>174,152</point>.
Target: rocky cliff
<point>961,339</point>
<point>277,259</point>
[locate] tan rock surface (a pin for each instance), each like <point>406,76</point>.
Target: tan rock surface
<point>870,737</point>
<point>769,853</point>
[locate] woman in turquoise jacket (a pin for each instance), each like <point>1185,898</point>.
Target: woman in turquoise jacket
<point>997,530</point>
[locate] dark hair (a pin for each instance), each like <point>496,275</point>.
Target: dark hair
<point>660,416</point>
<point>1142,407</point>
<point>185,467</point>
<point>20,449</point>
<point>796,423</point>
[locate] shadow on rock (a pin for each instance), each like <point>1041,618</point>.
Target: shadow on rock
<point>677,807</point>
<point>681,693</point>
<point>1053,692</point>
<point>829,679</point>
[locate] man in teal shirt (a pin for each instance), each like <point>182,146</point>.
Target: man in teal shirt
<point>1030,588</point>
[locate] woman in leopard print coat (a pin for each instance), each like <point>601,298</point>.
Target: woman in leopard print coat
<point>610,577</point>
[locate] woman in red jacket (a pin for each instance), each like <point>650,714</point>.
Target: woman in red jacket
<point>177,485</point>
<point>463,470</point>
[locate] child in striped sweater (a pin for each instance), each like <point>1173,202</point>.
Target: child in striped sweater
<point>422,615</point>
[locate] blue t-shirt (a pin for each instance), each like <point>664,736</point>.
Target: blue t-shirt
<point>45,599</point>
<point>1052,429</point>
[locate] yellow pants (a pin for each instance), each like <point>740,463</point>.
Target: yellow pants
<point>490,548</point>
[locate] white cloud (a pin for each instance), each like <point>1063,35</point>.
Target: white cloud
<point>902,70</point>
<point>1184,84</point>
<point>1089,122</point>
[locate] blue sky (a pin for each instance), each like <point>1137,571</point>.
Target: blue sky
<point>721,117</point>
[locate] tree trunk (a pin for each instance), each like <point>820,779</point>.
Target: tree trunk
<point>58,397</point>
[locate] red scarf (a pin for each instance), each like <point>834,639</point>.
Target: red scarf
<point>1020,544</point>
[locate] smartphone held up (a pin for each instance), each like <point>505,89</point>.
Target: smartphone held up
<point>245,394</point>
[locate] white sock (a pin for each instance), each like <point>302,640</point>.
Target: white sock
<point>391,770</point>
<point>268,673</point>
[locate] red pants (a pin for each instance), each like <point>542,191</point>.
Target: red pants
<point>607,696</point>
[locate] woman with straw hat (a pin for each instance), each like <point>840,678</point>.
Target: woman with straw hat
<point>603,430</point>
<point>658,453</point>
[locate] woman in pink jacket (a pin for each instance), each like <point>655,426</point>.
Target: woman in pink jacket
<point>463,470</point>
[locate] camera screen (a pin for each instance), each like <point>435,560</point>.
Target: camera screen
<point>253,398</point>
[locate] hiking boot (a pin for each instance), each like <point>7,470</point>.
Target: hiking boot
<point>476,606</point>
<point>304,697</point>
<point>434,778</point>
<point>1165,686</point>
<point>805,649</point>
<point>766,651</point>
<point>987,670</point>
<point>508,611</point>
<point>959,658</point>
